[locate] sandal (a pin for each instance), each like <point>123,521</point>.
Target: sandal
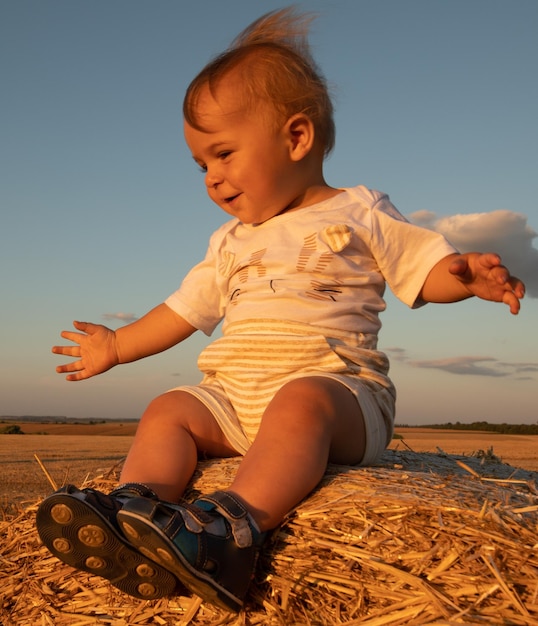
<point>211,545</point>
<point>80,528</point>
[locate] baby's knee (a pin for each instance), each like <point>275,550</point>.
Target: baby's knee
<point>320,390</point>
<point>167,405</point>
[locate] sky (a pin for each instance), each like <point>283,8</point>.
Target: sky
<point>102,210</point>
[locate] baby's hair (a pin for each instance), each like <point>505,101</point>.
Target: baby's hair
<point>276,69</point>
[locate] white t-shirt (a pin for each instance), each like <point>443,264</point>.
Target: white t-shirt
<point>325,265</point>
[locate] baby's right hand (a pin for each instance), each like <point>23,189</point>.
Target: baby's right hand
<point>95,350</point>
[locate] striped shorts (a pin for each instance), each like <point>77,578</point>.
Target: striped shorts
<point>245,368</point>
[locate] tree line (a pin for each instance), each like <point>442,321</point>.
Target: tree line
<point>502,429</point>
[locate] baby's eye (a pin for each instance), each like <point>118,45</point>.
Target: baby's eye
<point>224,154</point>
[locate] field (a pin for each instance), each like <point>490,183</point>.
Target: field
<point>73,453</point>
<point>420,538</point>
<point>517,450</point>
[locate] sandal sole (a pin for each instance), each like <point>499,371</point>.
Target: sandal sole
<point>76,534</point>
<point>153,543</point>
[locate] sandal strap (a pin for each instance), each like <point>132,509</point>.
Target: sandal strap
<point>139,489</point>
<point>235,513</point>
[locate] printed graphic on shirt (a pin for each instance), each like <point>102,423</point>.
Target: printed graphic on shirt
<point>233,299</point>
<point>312,261</point>
<point>255,261</point>
<point>226,265</point>
<point>337,236</point>
<point>309,259</point>
<point>253,267</point>
<point>324,291</point>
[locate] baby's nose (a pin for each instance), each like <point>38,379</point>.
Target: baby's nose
<point>212,179</point>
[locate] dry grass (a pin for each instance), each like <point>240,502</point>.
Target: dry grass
<point>516,450</point>
<point>74,452</point>
<point>420,539</point>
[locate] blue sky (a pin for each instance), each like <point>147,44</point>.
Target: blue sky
<point>103,210</point>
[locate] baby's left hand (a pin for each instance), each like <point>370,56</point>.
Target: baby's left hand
<point>485,277</point>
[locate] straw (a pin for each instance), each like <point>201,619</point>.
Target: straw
<point>419,539</point>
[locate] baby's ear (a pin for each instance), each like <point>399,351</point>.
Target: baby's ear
<point>301,134</point>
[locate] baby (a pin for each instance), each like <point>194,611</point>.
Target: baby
<point>296,381</point>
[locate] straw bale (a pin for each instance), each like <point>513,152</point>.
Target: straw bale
<point>419,539</point>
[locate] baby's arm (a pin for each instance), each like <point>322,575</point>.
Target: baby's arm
<point>460,276</point>
<point>99,348</point>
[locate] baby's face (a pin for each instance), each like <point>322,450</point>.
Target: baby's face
<point>247,164</point>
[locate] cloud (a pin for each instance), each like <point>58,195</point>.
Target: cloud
<point>466,365</point>
<point>470,365</point>
<point>502,231</point>
<point>522,367</point>
<point>124,318</point>
<point>397,354</point>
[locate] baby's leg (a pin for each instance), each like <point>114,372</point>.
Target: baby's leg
<point>80,527</point>
<point>309,422</point>
<point>174,430</point>
<point>212,544</point>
